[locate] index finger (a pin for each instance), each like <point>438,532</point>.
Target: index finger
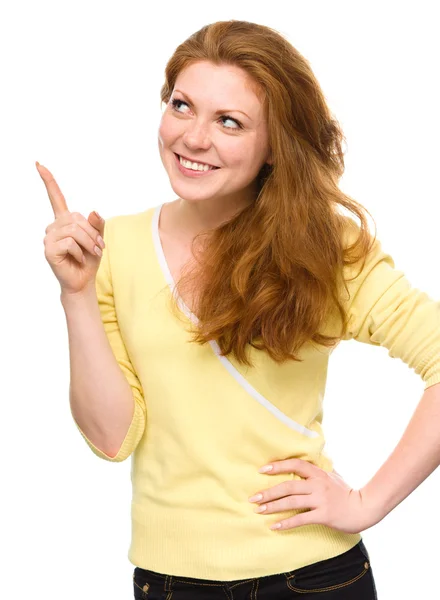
<point>56,197</point>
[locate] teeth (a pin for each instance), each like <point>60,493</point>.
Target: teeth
<point>194,166</point>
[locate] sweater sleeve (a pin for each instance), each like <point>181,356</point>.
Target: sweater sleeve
<point>385,310</point>
<point>104,289</point>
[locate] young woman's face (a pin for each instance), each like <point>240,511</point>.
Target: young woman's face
<point>214,117</point>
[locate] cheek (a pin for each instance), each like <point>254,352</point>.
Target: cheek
<point>235,152</point>
<point>245,159</point>
<point>168,130</point>
<point>253,155</point>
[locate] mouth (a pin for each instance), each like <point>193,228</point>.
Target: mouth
<point>201,163</point>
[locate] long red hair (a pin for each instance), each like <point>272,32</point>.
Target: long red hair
<point>270,277</point>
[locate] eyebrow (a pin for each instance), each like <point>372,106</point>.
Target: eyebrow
<point>218,112</point>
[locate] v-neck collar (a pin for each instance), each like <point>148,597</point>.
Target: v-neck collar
<point>164,265</point>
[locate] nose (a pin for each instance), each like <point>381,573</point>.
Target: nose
<point>196,136</point>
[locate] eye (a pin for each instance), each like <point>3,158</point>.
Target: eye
<point>226,118</point>
<point>175,102</point>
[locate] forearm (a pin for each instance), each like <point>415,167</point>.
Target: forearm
<point>101,399</point>
<point>415,457</point>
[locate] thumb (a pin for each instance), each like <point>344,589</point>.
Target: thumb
<point>97,221</point>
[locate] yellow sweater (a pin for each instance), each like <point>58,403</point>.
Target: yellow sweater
<point>203,425</point>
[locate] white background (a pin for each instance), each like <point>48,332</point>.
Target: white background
<point>81,84</point>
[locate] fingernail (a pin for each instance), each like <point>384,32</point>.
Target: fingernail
<point>256,498</point>
<point>98,215</point>
<point>265,469</point>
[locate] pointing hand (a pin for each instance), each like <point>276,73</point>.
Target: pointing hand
<point>71,241</point>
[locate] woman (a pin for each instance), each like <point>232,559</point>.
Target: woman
<point>199,342</point>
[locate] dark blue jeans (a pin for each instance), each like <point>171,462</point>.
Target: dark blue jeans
<point>347,576</point>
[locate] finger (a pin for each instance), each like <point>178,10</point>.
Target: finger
<point>69,246</point>
<point>97,221</point>
<point>93,231</point>
<point>56,197</point>
<point>298,466</point>
<point>81,237</point>
<point>288,503</point>
<point>92,226</point>
<point>309,517</point>
<point>286,488</point>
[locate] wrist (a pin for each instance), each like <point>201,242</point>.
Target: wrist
<point>85,295</point>
<point>373,503</point>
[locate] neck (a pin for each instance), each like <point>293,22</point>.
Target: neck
<point>192,218</point>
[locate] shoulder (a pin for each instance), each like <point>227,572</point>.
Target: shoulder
<point>127,227</point>
<point>126,222</point>
<point>350,231</point>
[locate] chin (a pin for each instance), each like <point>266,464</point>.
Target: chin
<point>189,197</point>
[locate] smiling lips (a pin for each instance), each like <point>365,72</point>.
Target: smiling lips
<point>196,161</point>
